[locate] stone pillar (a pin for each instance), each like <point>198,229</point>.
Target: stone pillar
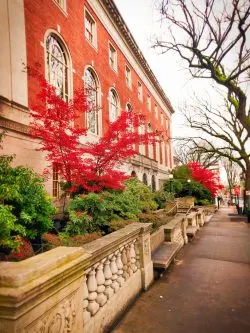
<point>146,263</point>
<point>44,293</point>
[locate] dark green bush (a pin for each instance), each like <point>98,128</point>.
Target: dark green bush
<point>182,188</point>
<point>162,197</point>
<point>95,212</point>
<point>25,208</point>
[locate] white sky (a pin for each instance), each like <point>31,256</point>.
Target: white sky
<point>143,21</point>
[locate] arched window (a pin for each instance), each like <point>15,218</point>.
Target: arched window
<point>91,88</point>
<point>133,173</point>
<point>113,105</point>
<point>145,179</point>
<point>128,107</point>
<point>57,66</point>
<point>153,183</point>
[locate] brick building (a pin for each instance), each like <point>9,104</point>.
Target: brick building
<point>76,43</point>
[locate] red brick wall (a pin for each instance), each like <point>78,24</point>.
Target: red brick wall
<point>45,14</point>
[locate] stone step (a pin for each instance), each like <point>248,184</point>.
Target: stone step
<point>165,254</point>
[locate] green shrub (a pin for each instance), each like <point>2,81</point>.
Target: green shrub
<point>25,208</point>
<point>101,212</point>
<point>181,188</point>
<point>162,197</point>
<point>119,224</point>
<point>141,194</point>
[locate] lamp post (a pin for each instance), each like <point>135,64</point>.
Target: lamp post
<point>189,188</point>
<point>170,177</point>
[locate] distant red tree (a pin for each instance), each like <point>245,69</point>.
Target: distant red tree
<point>91,166</point>
<point>205,176</point>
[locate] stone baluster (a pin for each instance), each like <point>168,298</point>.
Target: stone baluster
<point>93,306</point>
<point>133,258</point>
<point>114,270</point>
<point>129,269</point>
<point>86,314</point>
<point>137,252</point>
<point>125,264</point>
<point>101,298</point>
<point>108,279</point>
<point>119,264</point>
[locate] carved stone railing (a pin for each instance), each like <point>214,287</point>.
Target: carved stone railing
<point>119,269</point>
<point>76,289</point>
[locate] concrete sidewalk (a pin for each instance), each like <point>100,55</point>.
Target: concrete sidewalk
<point>206,290</point>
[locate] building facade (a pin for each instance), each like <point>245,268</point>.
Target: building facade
<point>77,43</point>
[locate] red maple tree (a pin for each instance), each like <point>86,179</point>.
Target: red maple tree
<point>91,166</point>
<point>206,177</point>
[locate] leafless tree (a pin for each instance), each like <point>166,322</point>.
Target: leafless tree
<point>232,172</point>
<point>211,36</point>
<point>186,151</point>
<point>219,132</point>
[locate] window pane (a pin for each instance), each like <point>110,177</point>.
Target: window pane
<point>92,100</point>
<point>57,67</point>
<point>113,106</point>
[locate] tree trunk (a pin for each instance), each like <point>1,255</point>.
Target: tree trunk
<point>247,190</point>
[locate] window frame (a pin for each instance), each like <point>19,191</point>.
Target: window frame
<point>55,181</point>
<point>128,78</point>
<point>93,40</point>
<point>149,102</point>
<point>62,5</point>
<point>140,91</point>
<point>117,105</point>
<point>110,49</point>
<point>97,131</point>
<point>68,65</point>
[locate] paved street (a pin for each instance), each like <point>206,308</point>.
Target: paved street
<point>207,289</point>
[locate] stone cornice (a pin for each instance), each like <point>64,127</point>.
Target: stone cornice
<point>118,20</point>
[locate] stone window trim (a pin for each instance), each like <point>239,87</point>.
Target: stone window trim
<point>66,52</point>
<point>114,104</point>
<point>128,107</point>
<point>128,76</point>
<point>149,102</point>
<point>96,129</point>
<point>112,53</point>
<point>90,29</point>
<point>140,91</point>
<point>62,5</point>
<point>55,181</point>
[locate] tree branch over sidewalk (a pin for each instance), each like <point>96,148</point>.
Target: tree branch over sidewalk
<point>211,37</point>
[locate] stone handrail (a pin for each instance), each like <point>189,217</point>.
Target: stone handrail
<point>76,289</point>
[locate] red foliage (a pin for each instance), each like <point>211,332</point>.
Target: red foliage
<point>92,166</point>
<point>25,251</point>
<point>54,240</point>
<point>206,177</point>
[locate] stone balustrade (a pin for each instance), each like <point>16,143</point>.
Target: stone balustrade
<point>76,289</point>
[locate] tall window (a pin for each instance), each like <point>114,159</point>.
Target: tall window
<point>113,106</point>
<point>149,102</point>
<point>91,89</point>
<point>145,179</point>
<point>55,187</point>
<point>128,107</point>
<point>128,76</point>
<point>112,57</point>
<point>140,91</point>
<point>57,66</point>
<point>90,29</point>
<point>156,111</point>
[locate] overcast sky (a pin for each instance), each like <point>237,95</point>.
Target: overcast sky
<point>143,20</point>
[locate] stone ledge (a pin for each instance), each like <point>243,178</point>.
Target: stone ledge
<point>17,274</point>
<point>164,255</point>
